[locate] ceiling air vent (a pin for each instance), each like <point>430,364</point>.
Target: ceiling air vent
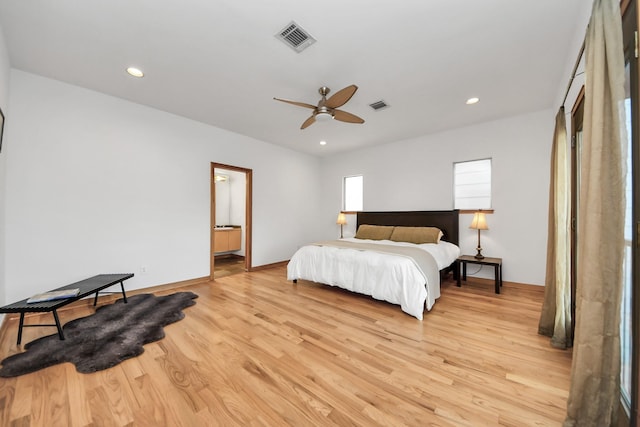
<point>295,37</point>
<point>379,105</point>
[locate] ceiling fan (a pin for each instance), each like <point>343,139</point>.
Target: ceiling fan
<point>328,108</point>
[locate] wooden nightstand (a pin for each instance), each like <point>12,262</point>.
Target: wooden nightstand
<point>495,262</point>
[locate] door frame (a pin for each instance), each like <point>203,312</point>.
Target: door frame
<point>630,24</point>
<point>577,118</point>
<point>248,214</point>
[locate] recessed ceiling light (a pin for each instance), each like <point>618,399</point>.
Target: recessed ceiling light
<point>471,101</point>
<point>135,72</point>
<point>323,142</point>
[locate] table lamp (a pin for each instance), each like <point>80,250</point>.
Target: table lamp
<point>342,220</point>
<point>479,222</point>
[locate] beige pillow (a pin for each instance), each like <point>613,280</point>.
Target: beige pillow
<point>416,235</point>
<point>374,232</point>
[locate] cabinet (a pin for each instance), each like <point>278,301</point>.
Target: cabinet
<point>227,240</point>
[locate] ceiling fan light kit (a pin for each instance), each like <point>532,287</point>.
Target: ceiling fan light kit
<point>323,116</point>
<point>327,109</point>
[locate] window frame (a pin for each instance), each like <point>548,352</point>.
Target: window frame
<point>344,193</point>
<point>455,198</point>
<point>630,18</point>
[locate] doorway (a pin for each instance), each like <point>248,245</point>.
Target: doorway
<point>229,221</point>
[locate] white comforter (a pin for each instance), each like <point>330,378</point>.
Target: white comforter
<point>383,276</point>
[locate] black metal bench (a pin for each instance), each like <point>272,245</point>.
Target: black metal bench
<point>86,287</point>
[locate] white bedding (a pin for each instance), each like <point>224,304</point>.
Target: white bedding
<point>383,276</point>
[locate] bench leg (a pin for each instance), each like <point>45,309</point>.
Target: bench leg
<point>55,316</point>
<point>124,296</point>
<point>20,328</point>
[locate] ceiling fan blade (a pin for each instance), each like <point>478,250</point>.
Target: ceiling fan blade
<point>299,104</point>
<point>343,116</point>
<point>311,120</point>
<point>341,97</point>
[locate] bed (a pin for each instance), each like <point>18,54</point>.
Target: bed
<point>399,259</point>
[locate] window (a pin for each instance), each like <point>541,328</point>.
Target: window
<point>472,184</point>
<point>628,347</point>
<point>626,307</point>
<point>352,193</point>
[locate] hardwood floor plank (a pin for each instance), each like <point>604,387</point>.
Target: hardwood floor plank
<point>7,390</point>
<point>147,396</point>
<point>77,397</point>
<point>22,398</point>
<point>258,350</point>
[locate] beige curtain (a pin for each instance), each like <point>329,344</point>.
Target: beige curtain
<point>555,320</point>
<point>595,371</point>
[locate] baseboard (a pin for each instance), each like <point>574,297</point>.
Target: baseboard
<point>475,279</point>
<point>88,301</point>
<point>199,280</point>
<point>267,266</point>
<point>229,256</point>
<point>484,280</point>
<point>170,286</point>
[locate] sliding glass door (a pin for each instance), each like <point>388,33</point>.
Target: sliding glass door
<point>577,114</point>
<point>629,309</point>
<point>630,305</point>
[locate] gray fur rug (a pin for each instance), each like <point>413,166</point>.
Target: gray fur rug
<point>114,333</point>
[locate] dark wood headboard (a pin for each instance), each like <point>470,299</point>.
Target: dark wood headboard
<point>447,221</point>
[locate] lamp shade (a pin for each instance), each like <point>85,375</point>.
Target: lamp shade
<point>342,219</point>
<point>479,221</point>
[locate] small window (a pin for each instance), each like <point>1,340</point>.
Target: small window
<point>472,184</point>
<point>352,193</point>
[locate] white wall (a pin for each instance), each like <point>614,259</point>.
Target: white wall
<point>97,184</point>
<point>4,101</point>
<point>91,183</point>
<point>417,174</point>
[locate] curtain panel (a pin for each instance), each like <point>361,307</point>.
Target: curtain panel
<point>595,370</point>
<point>555,320</point>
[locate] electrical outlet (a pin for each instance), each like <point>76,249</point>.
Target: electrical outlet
<point>143,269</point>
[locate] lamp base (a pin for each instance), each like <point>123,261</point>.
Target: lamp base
<point>479,254</point>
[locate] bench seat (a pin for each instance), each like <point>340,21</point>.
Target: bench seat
<point>86,287</point>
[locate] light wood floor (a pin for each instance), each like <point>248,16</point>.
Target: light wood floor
<point>257,350</point>
<point>228,265</point>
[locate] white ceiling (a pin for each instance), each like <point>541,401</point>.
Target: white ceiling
<point>218,62</point>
